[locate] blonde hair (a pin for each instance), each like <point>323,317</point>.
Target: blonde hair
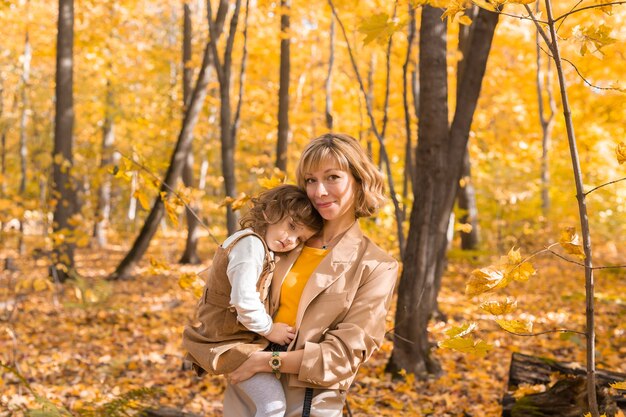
<point>350,156</point>
<point>273,205</point>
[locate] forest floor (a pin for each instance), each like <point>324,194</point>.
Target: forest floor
<point>93,341</point>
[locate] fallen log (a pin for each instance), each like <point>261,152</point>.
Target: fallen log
<point>567,397</point>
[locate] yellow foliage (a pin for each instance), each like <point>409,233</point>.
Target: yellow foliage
<point>191,281</point>
<point>483,280</point>
<point>378,27</point>
<point>461,330</point>
<point>619,385</point>
<point>498,308</point>
<point>467,345</point>
<point>526,389</point>
<point>240,201</point>
<point>571,243</point>
<point>273,181</point>
<point>593,39</point>
<point>620,151</point>
<point>516,326</point>
<point>143,199</point>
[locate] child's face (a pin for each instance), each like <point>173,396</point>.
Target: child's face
<point>286,235</point>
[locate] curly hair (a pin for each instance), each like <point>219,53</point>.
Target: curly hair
<point>273,205</point>
<point>350,156</point>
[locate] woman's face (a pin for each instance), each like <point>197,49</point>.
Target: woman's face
<point>331,190</point>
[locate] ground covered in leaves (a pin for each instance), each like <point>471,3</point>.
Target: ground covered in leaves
<point>93,341</point>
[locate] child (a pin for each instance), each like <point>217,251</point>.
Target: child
<point>232,312</point>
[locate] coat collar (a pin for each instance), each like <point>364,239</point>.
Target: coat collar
<point>327,272</point>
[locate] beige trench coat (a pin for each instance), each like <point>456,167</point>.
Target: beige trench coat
<point>341,315</point>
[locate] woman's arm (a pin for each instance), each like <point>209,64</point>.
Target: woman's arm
<point>260,362</point>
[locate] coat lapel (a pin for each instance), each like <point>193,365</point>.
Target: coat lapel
<point>331,268</point>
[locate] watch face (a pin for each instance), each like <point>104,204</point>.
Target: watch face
<point>276,362</point>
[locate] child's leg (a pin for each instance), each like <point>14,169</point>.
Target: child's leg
<point>267,394</point>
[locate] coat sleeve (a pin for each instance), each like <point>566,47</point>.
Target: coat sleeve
<point>353,340</point>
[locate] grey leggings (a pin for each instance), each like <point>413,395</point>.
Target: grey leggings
<point>266,392</point>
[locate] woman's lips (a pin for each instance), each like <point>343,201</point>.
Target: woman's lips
<point>323,205</point>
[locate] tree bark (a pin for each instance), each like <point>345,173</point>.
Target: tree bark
<point>408,148</point>
<point>227,138</point>
<point>103,209</point>
<point>439,157</point>
<point>467,204</point>
<point>328,81</point>
<point>3,144</point>
<point>283,89</point>
<point>466,198</point>
<point>190,254</point>
<point>547,123</point>
<point>63,188</point>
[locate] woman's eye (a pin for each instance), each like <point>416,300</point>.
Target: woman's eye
<point>333,177</point>
<point>309,181</point>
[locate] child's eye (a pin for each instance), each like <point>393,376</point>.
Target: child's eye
<point>292,226</point>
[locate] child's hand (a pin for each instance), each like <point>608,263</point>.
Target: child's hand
<point>281,333</point>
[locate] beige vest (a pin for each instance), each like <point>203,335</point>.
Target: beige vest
<point>219,344</point>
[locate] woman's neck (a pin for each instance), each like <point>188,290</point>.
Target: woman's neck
<point>334,228</point>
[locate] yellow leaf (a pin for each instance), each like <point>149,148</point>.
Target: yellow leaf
<point>187,280</point>
<point>377,27</point>
<point>514,256</point>
<point>516,326</point>
<point>466,345</point>
<point>42,284</point>
<point>143,199</point>
<point>521,272</point>
<point>272,182</point>
<point>484,4</point>
<point>483,280</point>
<point>240,201</point>
<point>170,209</point>
<point>498,308</point>
<point>571,243</point>
<point>156,264</point>
<point>226,201</point>
<point>465,20</point>
<point>461,331</point>
<point>619,385</point>
<point>620,151</point>
<point>526,389</point>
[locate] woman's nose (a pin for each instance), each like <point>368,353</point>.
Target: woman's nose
<point>320,190</point>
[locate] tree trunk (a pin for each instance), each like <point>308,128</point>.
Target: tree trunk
<point>3,144</point>
<point>416,289</point>
<point>283,90</point>
<point>439,158</point>
<point>566,398</point>
<point>26,58</point>
<point>190,254</point>
<point>227,138</point>
<point>328,82</point>
<point>467,204</point>
<point>63,188</point>
<point>103,209</point>
<point>547,123</point>
<point>408,148</point>
<point>466,198</point>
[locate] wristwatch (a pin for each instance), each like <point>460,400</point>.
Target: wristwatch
<point>275,363</point>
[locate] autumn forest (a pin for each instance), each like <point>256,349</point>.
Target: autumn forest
<point>134,134</point>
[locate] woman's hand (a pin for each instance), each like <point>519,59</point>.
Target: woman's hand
<point>257,362</point>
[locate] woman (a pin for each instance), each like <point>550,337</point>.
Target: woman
<point>336,289</point>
